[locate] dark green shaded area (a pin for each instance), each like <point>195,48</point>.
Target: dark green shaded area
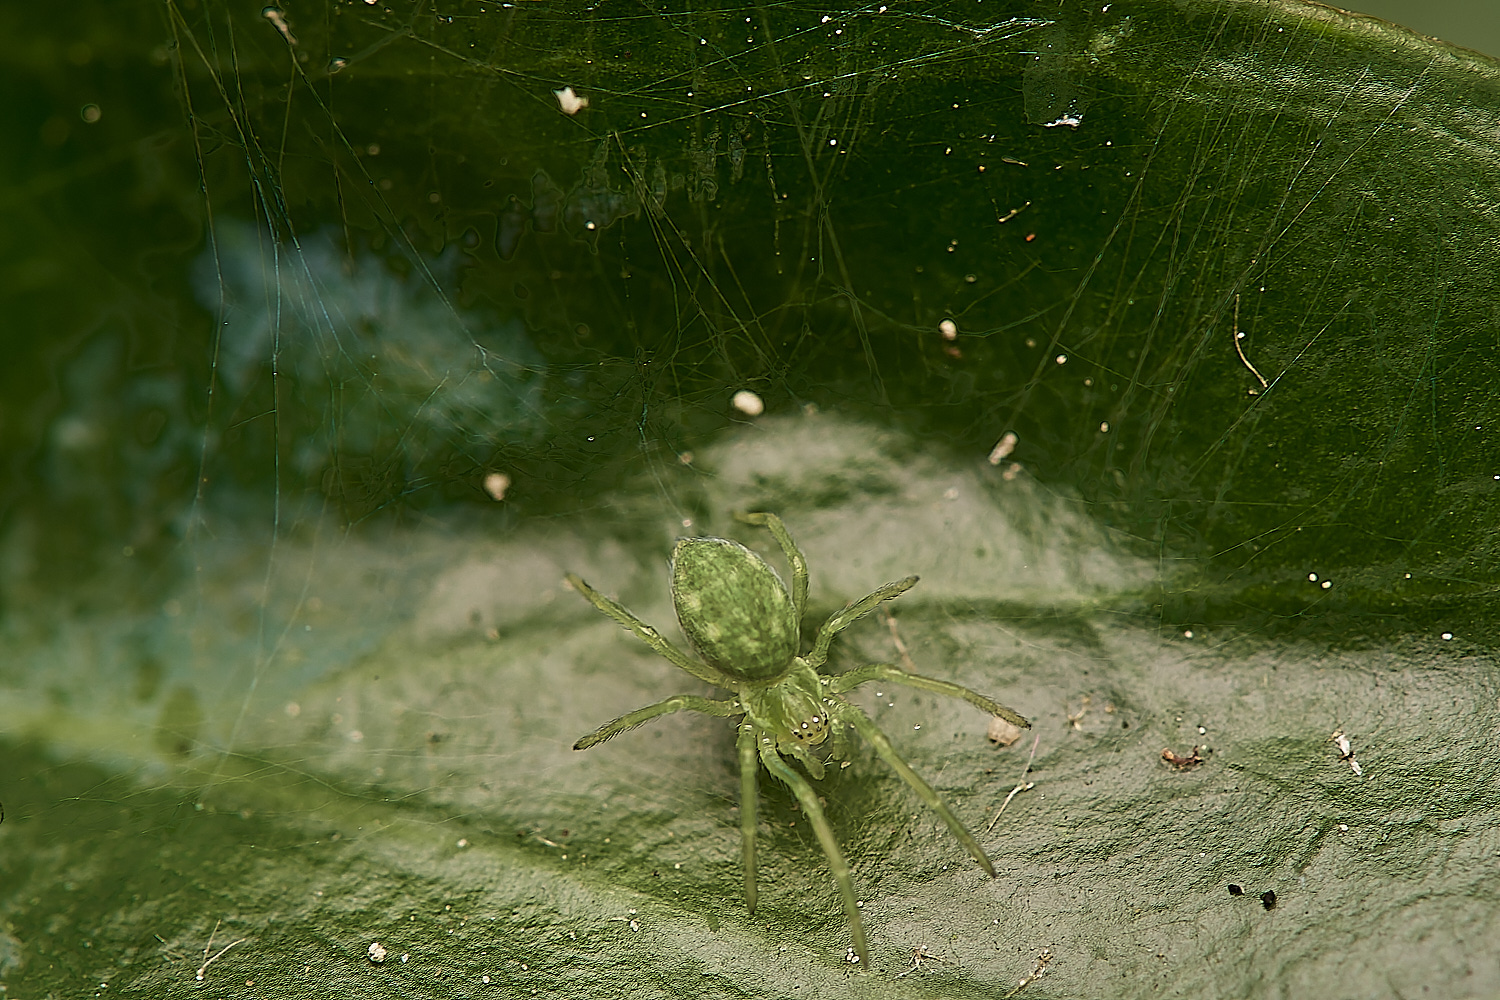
<point>791,205</point>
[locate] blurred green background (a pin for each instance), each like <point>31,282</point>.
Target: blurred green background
<point>1474,24</point>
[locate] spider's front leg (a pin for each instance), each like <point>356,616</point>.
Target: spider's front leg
<point>641,716</point>
<point>852,714</point>
<point>749,803</point>
<point>808,800</point>
<point>892,674</point>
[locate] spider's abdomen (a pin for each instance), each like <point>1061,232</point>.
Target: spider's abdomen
<point>733,609</point>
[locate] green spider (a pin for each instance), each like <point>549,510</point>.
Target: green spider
<point>739,618</point>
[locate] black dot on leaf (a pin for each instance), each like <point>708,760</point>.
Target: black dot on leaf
<point>1235,890</point>
<point>1268,899</point>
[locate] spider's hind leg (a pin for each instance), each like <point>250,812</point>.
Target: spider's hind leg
<point>794,556</point>
<point>852,613</point>
<point>659,643</point>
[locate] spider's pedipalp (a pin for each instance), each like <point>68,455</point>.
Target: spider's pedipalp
<point>814,765</point>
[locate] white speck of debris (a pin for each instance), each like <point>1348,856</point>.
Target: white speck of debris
<point>1002,733</point>
<point>1188,634</point>
<point>1202,731</point>
<point>570,102</point>
<point>1313,577</point>
<point>405,958</point>
<point>1343,828</point>
<point>495,484</point>
<point>1104,427</point>
<point>1447,635</point>
<point>1346,751</point>
<point>279,20</point>
<point>851,957</point>
<point>485,980</point>
<point>377,952</point>
<point>1326,584</point>
<point>635,925</point>
<point>1061,359</point>
<point>948,329</point>
<point>463,841</point>
<point>355,736</point>
<point>1070,120</point>
<point>951,493</point>
<point>1003,447</point>
<point>748,403</point>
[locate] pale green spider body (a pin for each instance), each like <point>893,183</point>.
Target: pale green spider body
<point>740,619</point>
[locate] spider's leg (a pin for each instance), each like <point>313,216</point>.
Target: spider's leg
<point>892,674</point>
<point>649,635</point>
<point>676,703</point>
<point>852,613</point>
<point>793,555</point>
<point>872,734</point>
<point>808,799</point>
<point>748,804</point>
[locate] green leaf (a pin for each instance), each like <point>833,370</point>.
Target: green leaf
<point>955,289</point>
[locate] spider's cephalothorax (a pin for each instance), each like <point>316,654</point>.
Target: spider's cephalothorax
<point>744,625</point>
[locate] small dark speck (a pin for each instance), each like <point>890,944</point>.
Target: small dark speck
<point>1235,890</point>
<point>1268,899</point>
